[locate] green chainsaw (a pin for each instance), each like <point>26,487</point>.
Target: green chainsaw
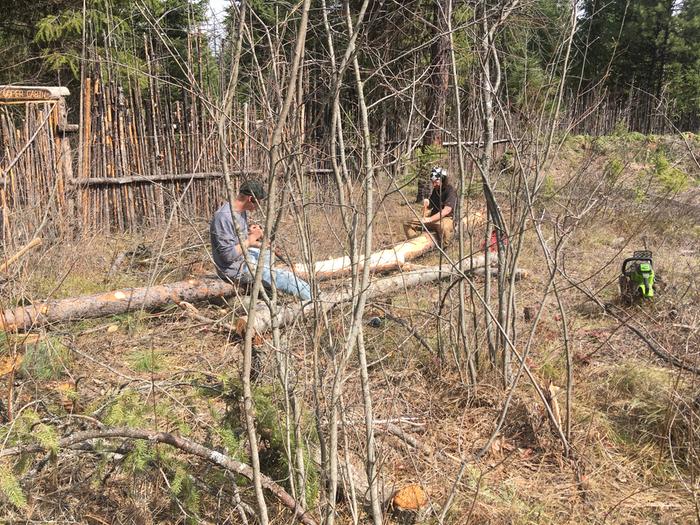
<point>637,278</point>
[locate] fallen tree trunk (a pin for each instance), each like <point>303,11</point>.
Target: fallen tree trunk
<point>112,303</point>
<point>193,290</point>
<point>384,286</point>
<point>383,260</point>
<point>380,261</point>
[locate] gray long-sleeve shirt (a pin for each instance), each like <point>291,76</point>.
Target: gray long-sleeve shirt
<point>224,241</point>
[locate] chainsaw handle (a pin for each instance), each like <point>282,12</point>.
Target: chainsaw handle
<point>632,259</point>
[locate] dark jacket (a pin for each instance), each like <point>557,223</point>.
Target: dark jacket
<point>445,195</point>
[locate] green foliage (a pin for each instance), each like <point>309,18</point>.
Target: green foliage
<point>640,191</point>
<point>147,361</point>
<point>127,410</point>
<point>79,282</point>
<point>140,457</point>
<point>649,44</point>
<point>273,427</point>
<point>182,487</point>
<point>25,429</point>
<point>603,144</point>
<point>10,488</point>
<point>425,158</point>
<point>465,58</point>
<point>191,500</point>
<point>579,141</point>
<point>179,478</point>
<point>613,169</point>
<point>621,129</point>
<point>21,428</point>
<point>55,27</point>
<point>46,435</point>
<point>549,189</point>
<point>59,35</point>
<point>134,322</point>
<point>622,134</point>
<point>670,178</point>
<point>531,42</point>
<point>46,359</point>
<point>231,442</point>
<point>45,43</point>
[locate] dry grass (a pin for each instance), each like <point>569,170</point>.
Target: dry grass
<point>634,429</point>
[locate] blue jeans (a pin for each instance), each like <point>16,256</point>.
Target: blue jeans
<point>285,280</point>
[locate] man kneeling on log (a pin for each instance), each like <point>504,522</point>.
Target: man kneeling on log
<point>437,210</point>
<point>236,248</point>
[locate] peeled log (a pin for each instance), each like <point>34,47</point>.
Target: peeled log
<point>391,258</point>
<point>385,286</point>
<point>380,261</point>
<point>112,303</point>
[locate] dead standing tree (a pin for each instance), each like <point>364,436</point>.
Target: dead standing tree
<point>532,155</point>
<point>274,149</point>
<point>490,77</point>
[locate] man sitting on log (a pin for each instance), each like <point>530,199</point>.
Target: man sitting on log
<point>437,210</point>
<point>236,247</point>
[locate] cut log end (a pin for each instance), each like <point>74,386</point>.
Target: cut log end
<point>410,497</point>
<point>241,325</point>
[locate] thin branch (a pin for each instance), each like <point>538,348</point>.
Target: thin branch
<point>184,444</point>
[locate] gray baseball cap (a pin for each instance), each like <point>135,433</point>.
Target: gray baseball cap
<point>254,189</point>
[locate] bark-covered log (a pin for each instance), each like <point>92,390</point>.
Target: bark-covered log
<point>112,303</point>
<point>384,286</point>
<point>149,298</point>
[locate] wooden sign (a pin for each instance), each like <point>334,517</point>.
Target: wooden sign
<point>31,93</point>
